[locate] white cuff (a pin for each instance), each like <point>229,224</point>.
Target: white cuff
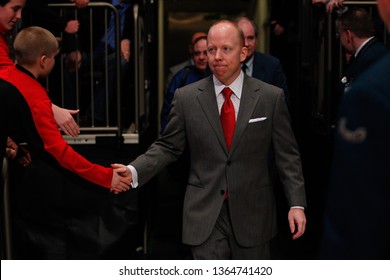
<point>134,175</point>
<point>292,207</point>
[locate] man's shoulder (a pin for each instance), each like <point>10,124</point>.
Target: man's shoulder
<point>377,69</point>
<point>176,68</point>
<point>374,49</point>
<point>5,73</point>
<point>254,82</point>
<point>186,69</point>
<point>260,57</point>
<point>377,44</point>
<point>16,76</point>
<point>261,87</point>
<point>200,84</point>
<point>374,82</point>
<point>191,90</point>
<point>24,82</point>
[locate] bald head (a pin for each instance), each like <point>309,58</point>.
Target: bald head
<point>245,20</point>
<point>250,32</point>
<point>228,25</point>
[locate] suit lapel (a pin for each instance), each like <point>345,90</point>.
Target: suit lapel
<point>208,102</point>
<point>249,99</point>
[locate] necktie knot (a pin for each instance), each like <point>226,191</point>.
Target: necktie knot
<point>227,92</point>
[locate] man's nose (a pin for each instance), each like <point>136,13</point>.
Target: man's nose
<point>218,54</point>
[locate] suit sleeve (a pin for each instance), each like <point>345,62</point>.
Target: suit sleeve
<point>55,145</point>
<point>167,148</point>
<point>287,157</point>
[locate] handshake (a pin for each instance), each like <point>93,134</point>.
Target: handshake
<point>121,178</point>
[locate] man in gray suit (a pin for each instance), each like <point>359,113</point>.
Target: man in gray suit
<point>229,205</point>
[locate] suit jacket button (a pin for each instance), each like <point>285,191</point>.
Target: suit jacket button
<point>228,163</point>
<point>222,192</point>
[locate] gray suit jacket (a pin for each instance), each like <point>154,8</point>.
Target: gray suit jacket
<point>262,122</point>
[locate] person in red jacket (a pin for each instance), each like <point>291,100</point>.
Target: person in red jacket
<point>27,117</point>
<point>10,14</point>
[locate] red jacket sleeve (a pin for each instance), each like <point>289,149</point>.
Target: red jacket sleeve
<point>55,145</point>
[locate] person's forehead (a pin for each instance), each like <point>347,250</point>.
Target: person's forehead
<point>200,43</point>
<point>222,26</point>
<point>16,2</point>
<point>222,31</point>
<point>245,24</point>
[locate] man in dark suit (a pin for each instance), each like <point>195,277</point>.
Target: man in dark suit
<point>357,218</point>
<point>259,65</point>
<point>229,205</point>
<point>356,31</point>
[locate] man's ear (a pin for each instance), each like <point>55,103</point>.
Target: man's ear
<point>243,54</point>
<point>42,61</point>
<point>350,35</point>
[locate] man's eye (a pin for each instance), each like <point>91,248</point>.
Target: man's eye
<point>198,53</point>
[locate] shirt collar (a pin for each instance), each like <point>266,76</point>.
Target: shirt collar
<point>249,63</point>
<point>236,86</point>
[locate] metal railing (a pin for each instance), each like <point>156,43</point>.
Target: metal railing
<point>83,85</point>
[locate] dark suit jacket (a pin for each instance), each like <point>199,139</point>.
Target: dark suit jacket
<point>357,220</point>
<point>370,53</point>
<point>268,69</point>
<point>263,121</point>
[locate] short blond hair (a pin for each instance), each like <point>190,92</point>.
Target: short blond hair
<point>33,42</point>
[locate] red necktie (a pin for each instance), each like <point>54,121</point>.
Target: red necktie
<point>228,117</point>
